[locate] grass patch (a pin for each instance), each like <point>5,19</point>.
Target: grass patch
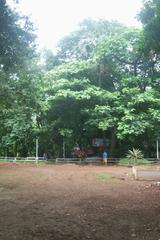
<point>131,162</point>
<point>103,176</point>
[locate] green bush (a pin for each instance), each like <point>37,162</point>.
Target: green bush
<point>133,161</point>
<point>134,154</point>
<point>134,157</point>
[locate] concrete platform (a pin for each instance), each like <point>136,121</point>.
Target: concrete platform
<point>146,173</point>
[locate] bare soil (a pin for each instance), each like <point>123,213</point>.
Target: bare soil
<point>70,202</point>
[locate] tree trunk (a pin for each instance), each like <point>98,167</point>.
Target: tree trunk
<point>113,142</point>
<point>15,149</point>
<point>135,69</point>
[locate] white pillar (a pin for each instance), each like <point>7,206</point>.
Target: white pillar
<point>37,150</point>
<point>157,149</point>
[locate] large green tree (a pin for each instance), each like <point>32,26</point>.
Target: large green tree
<point>125,77</point>
<point>19,81</point>
<point>102,82</point>
<point>16,37</point>
<point>80,44</point>
<point>150,18</point>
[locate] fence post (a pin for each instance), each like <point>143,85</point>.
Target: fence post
<point>157,148</point>
<point>64,149</point>
<point>37,150</point>
<point>134,172</point>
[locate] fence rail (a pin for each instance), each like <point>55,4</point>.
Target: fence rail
<point>21,159</point>
<point>98,160</point>
<point>93,160</point>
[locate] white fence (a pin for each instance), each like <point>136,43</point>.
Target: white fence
<point>94,160</point>
<point>97,160</point>
<point>22,159</point>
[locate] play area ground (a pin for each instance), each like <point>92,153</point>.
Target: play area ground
<point>71,202</point>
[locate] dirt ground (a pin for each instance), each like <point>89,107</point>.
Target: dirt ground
<point>73,202</point>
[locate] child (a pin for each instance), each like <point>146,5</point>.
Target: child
<point>105,156</point>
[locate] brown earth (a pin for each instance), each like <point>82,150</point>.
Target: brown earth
<point>72,202</point>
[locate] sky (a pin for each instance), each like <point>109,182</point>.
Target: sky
<point>54,19</point>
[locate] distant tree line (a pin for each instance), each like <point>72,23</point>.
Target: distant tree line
<point>103,82</point>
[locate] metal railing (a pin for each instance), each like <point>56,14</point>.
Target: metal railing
<point>98,160</point>
<point>87,160</point>
<point>21,159</point>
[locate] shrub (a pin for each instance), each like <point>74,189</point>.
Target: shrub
<point>134,157</point>
<point>130,161</point>
<point>134,154</point>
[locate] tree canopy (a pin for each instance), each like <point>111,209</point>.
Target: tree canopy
<point>103,82</point>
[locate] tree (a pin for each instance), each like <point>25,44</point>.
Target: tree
<point>19,79</point>
<point>49,59</point>
<point>150,18</point>
<point>119,75</point>
<point>103,82</point>
<point>133,77</point>
<point>16,37</point>
<point>69,99</point>
<point>21,106</point>
<point>80,44</point>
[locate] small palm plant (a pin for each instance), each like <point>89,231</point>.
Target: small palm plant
<point>134,155</point>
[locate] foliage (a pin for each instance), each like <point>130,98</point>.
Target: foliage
<point>134,157</point>
<point>132,161</point>
<point>49,59</point>
<point>134,154</point>
<point>16,37</point>
<point>150,18</point>
<point>80,44</point>
<point>114,90</point>
<point>19,80</point>
<point>103,82</point>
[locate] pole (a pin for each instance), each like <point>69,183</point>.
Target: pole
<point>64,150</point>
<point>37,150</point>
<point>157,149</point>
